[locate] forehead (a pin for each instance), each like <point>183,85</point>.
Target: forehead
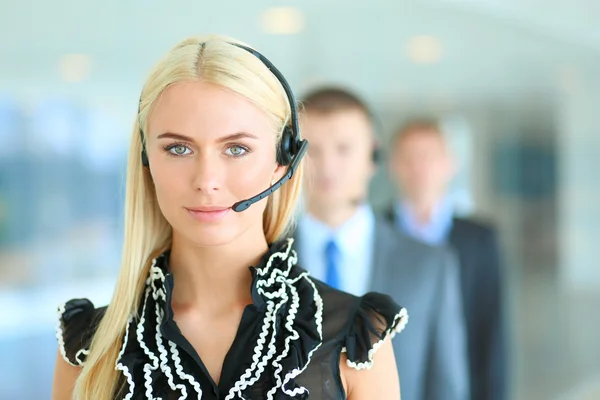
<point>352,124</point>
<point>422,138</point>
<point>202,107</point>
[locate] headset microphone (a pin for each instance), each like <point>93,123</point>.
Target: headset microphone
<point>244,204</point>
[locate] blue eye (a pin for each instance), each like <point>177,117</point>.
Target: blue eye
<point>236,150</point>
<point>178,150</point>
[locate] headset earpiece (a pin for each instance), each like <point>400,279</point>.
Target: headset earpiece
<point>145,161</point>
<point>287,147</point>
<point>144,155</point>
<point>376,155</point>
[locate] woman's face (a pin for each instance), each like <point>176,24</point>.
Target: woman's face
<point>209,148</point>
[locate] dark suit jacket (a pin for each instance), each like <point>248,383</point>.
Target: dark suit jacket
<point>481,286</point>
<point>477,249</point>
<point>431,352</point>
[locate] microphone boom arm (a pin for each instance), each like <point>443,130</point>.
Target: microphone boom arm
<point>244,204</point>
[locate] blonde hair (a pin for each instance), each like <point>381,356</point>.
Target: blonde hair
<point>147,234</point>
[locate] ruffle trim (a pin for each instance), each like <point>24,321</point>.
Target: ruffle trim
<point>378,317</point>
<point>283,349</point>
<point>291,331</point>
<point>74,330</point>
<point>278,285</point>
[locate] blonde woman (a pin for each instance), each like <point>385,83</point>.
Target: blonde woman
<point>211,302</point>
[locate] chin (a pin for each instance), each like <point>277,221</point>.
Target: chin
<point>328,201</point>
<point>211,236</point>
<point>204,234</point>
<point>212,231</point>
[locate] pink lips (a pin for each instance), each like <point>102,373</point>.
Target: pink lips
<point>208,213</point>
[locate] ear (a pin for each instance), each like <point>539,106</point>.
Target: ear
<point>374,168</point>
<point>375,157</point>
<point>279,171</point>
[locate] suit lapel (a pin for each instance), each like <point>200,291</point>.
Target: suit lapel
<point>382,241</point>
<point>456,232</point>
<point>390,215</point>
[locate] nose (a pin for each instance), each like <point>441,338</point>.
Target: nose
<point>326,165</point>
<point>208,173</point>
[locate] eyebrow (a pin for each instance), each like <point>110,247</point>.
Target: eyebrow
<point>235,136</point>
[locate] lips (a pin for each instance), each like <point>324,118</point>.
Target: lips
<point>208,213</point>
<point>208,209</point>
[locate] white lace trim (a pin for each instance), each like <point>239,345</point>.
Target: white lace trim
<point>278,299</point>
<point>59,335</point>
<point>400,321</point>
<point>319,321</point>
<point>123,368</point>
<point>140,338</point>
<point>61,342</point>
<point>258,366</point>
<point>179,370</point>
<point>156,273</point>
<point>291,336</point>
<point>79,354</point>
<point>158,292</point>
<point>268,322</point>
<point>281,277</point>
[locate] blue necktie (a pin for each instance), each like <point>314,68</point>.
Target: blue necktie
<point>332,255</point>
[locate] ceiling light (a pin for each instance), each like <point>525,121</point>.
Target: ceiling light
<point>282,21</point>
<point>75,67</point>
<point>424,49</point>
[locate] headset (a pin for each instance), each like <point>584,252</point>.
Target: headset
<point>376,154</point>
<point>292,147</point>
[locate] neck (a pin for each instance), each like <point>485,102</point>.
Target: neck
<point>333,216</point>
<point>215,279</point>
<point>423,208</point>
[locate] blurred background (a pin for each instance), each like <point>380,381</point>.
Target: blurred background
<point>516,83</point>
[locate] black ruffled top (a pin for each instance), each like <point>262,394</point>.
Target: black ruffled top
<point>287,346</point>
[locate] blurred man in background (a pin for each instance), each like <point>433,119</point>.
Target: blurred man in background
<point>422,166</point>
<point>347,246</point>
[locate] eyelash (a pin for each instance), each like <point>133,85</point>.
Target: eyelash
<point>245,153</point>
<point>171,146</point>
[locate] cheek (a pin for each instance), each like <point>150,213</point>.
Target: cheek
<point>244,181</point>
<point>249,177</point>
<point>409,172</point>
<point>359,165</point>
<point>443,173</point>
<point>171,188</point>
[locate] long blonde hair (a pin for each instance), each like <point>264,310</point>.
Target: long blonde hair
<point>213,59</point>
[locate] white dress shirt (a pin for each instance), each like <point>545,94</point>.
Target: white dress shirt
<point>355,241</point>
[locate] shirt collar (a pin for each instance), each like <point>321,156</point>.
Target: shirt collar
<point>279,259</point>
<point>290,297</point>
<point>433,230</point>
<point>346,237</point>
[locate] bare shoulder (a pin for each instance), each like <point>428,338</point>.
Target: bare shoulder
<point>380,381</point>
<point>64,379</point>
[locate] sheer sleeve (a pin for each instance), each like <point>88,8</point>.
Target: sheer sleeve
<point>376,318</point>
<point>77,323</point>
